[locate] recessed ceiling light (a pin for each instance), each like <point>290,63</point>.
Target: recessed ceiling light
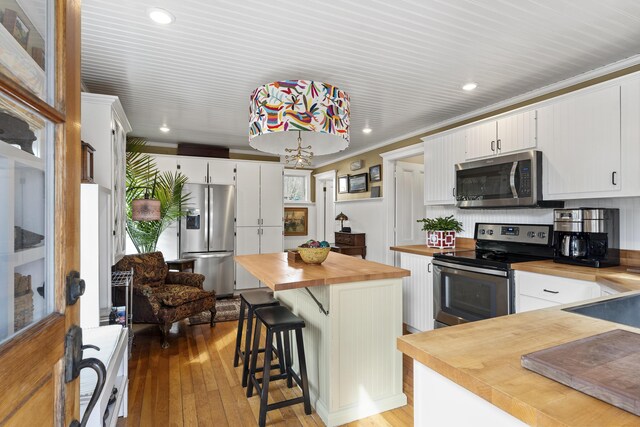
<point>161,16</point>
<point>366,130</point>
<point>470,86</point>
<point>164,128</point>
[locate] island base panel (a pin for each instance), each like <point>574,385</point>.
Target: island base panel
<point>354,368</point>
<point>437,401</point>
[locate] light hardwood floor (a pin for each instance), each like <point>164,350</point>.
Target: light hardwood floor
<point>194,383</point>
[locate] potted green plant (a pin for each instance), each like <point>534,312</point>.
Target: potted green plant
<point>141,176</point>
<point>441,231</point>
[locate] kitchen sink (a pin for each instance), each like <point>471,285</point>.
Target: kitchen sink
<point>625,310</point>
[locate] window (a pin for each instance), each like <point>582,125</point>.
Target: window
<point>297,185</point>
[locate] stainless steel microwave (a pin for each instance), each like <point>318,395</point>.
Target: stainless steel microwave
<point>513,180</point>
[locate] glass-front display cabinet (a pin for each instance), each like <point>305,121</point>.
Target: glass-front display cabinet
<point>27,146</point>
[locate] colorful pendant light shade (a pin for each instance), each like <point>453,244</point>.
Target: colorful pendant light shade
<point>319,110</point>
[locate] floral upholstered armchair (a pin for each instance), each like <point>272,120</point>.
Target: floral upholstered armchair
<point>161,296</point>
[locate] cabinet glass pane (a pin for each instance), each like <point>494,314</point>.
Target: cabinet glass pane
<point>26,43</point>
<point>26,247</point>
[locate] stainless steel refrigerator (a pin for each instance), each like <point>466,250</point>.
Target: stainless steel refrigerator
<point>206,234</point>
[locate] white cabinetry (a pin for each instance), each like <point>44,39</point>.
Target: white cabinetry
<point>255,240</point>
<point>259,195</point>
<point>580,137</point>
<point>113,343</point>
<point>535,291</point>
<point>417,292</point>
<point>95,253</point>
<point>509,133</point>
<point>259,211</point>
<point>441,153</point>
<point>203,170</point>
<point>105,127</point>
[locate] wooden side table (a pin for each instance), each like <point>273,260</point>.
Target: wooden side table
<point>350,244</point>
<point>185,264</point>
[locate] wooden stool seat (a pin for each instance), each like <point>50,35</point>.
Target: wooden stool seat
<point>279,321</point>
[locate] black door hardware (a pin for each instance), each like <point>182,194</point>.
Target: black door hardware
<point>75,287</point>
<point>74,363</point>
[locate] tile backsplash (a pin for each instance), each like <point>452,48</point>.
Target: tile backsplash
<point>629,216</point>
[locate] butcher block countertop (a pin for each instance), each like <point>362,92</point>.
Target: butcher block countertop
<point>484,357</point>
<point>275,271</point>
<point>617,278</point>
<point>462,243</point>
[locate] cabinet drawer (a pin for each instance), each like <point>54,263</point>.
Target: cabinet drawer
<point>344,239</point>
<point>555,289</point>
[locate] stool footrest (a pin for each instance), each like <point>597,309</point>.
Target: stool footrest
<point>284,403</point>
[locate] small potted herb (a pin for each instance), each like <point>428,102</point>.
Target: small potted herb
<point>441,231</point>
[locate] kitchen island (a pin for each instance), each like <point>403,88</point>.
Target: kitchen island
<point>352,310</point>
<point>477,366</point>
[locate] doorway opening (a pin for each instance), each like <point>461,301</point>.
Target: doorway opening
<point>325,207</point>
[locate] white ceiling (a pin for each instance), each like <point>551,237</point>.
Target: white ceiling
<point>402,61</point>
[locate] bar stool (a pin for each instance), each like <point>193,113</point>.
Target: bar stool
<point>279,321</point>
<point>251,300</point>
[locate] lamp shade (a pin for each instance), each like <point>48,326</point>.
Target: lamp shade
<point>342,217</point>
<point>145,210</point>
<point>321,110</point>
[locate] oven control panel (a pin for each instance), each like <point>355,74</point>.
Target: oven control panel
<point>519,233</point>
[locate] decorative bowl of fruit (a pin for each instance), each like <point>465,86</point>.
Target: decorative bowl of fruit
<point>314,252</point>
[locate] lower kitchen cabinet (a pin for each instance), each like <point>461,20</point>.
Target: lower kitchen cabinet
<point>535,291</point>
<point>417,292</point>
<point>255,240</point>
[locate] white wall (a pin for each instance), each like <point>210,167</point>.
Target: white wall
<point>366,217</point>
<point>292,242</point>
<point>629,216</point>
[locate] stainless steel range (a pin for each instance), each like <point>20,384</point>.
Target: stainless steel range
<point>478,284</point>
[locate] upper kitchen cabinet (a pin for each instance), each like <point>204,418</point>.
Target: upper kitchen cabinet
<point>259,194</point>
<point>202,170</point>
<point>165,163</point>
<point>580,136</point>
<point>510,133</point>
<point>441,153</point>
<point>105,127</point>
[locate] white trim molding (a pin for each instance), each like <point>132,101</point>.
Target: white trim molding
<point>389,190</point>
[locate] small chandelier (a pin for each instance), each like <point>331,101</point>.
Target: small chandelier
<point>302,155</point>
<point>319,109</point>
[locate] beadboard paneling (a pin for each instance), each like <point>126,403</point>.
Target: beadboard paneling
<point>402,62</point>
<point>417,292</point>
<point>367,217</point>
<point>629,216</point>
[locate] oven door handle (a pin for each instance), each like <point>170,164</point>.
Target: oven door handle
<point>471,269</point>
<point>512,180</point>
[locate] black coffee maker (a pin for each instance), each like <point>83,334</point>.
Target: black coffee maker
<point>587,236</point>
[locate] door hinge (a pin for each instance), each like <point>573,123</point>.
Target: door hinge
<point>75,287</point>
<point>113,131</point>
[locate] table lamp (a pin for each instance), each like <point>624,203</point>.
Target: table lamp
<point>342,218</point>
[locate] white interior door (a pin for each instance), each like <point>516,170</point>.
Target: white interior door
<point>409,203</point>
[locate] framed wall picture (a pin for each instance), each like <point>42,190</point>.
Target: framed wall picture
<point>359,183</point>
<point>343,184</point>
<point>358,164</point>
<point>375,191</point>
<point>296,221</point>
<point>375,173</point>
